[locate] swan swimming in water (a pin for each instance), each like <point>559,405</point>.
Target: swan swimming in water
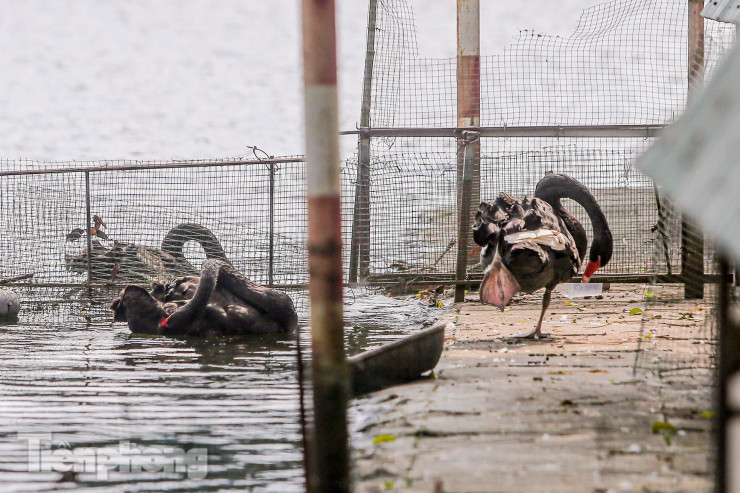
<point>221,301</point>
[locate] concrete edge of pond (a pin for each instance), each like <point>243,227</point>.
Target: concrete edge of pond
<point>563,414</point>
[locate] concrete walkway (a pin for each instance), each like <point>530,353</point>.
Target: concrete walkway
<point>566,414</point>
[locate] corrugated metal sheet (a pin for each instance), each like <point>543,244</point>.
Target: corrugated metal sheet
<point>697,159</point>
<point>722,10</point>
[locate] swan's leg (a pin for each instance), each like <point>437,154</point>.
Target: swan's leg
<point>545,306</point>
<point>536,333</point>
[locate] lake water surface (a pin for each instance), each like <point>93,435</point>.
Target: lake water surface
<point>175,79</point>
<point>230,407</point>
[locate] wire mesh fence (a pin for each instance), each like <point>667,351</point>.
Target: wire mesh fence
<point>585,105</point>
<point>625,63</point>
<point>150,221</point>
<point>678,335</point>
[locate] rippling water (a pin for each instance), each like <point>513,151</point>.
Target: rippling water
<point>91,383</point>
<point>186,79</point>
<point>171,79</point>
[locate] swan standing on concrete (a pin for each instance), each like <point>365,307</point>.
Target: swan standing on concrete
<point>534,244</point>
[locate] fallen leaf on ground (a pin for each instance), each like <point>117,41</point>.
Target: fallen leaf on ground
<point>659,426</point>
<point>383,438</point>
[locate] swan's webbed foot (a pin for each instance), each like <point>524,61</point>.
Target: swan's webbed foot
<point>536,332</point>
<point>528,334</point>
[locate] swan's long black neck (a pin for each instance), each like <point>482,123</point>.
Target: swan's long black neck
<point>176,238</point>
<point>206,286</point>
<point>554,187</point>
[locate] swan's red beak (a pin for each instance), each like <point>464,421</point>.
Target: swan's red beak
<point>591,267</point>
<point>499,285</point>
<point>163,323</point>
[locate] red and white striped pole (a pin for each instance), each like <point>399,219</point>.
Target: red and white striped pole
<point>468,116</point>
<point>329,452</point>
<point>468,63</point>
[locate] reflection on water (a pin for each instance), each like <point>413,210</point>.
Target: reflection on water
<point>91,383</point>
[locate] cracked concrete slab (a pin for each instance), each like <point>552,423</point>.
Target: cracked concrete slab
<point>567,414</point>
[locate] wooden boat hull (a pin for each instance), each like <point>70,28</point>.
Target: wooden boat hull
<point>397,362</point>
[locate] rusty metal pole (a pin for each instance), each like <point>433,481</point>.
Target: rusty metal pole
<point>692,238</point>
<point>271,259</point>
<point>463,230</point>
<point>329,451</point>
<point>88,236</point>
<point>359,258</point>
<point>468,116</point>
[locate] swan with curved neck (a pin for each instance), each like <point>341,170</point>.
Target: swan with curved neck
<point>176,238</point>
<point>533,244</point>
<point>134,262</point>
<point>554,187</point>
<point>219,302</point>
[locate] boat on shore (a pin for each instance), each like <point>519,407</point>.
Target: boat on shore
<point>398,362</point>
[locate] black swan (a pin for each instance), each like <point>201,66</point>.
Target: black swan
<point>533,244</point>
<point>139,263</point>
<point>219,302</point>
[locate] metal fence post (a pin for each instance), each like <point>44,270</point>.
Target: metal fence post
<point>88,234</point>
<point>271,261</point>
<point>463,228</point>
<point>692,238</point>
<point>329,451</point>
<point>359,260</point>
<point>364,219</point>
<point>468,115</point>
<point>728,366</point>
